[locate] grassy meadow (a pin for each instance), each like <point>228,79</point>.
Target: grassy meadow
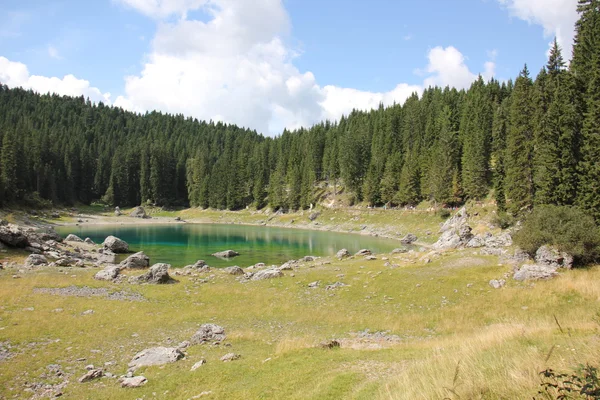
<point>449,334</point>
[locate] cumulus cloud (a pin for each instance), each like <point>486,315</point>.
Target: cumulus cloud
<point>557,17</point>
<point>16,74</point>
<point>53,53</point>
<point>237,68</point>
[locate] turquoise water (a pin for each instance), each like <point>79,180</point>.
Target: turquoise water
<point>183,244</point>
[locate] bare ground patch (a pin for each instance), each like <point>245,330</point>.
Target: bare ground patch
<point>86,291</point>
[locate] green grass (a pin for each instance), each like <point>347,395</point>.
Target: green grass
<point>499,338</point>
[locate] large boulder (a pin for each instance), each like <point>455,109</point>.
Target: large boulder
<point>226,254</point>
<point>138,212</point>
<point>115,245</point>
<point>409,239</point>
<point>155,356</point>
<point>235,270</point>
<point>550,256</point>
<point>208,333</point>
<point>108,274</point>
<point>134,381</point>
<point>34,260</point>
<point>13,236</point>
<point>158,274</point>
<point>136,261</point>
<point>343,253</point>
<point>267,274</point>
<point>535,272</point>
<point>455,232</point>
<point>73,238</point>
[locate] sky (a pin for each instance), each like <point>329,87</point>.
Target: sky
<point>271,64</point>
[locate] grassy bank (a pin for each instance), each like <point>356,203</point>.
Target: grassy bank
<point>449,333</point>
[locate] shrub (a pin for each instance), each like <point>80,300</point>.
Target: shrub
<point>503,220</point>
<point>583,384</point>
<point>444,213</point>
<point>567,228</point>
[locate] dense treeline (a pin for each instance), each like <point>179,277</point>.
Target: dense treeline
<point>534,141</point>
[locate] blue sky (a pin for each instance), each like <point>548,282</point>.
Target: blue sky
<point>269,64</point>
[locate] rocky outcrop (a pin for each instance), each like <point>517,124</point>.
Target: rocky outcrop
<point>158,274</point>
<point>548,261</point>
<point>155,356</point>
<point>267,274</point>
<point>115,245</point>
<point>409,239</point>
<point>503,239</point>
<point>455,232</point>
<point>226,254</point>
<point>138,212</point>
<point>108,274</point>
<point>535,272</point>
<point>363,252</point>
<point>89,241</point>
<point>343,253</point>
<point>13,236</point>
<point>138,260</point>
<point>73,238</point>
<point>208,333</point>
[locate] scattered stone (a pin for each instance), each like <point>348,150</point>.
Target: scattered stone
<point>497,283</point>
<point>86,291</point>
<point>408,239</point>
<point>155,356</point>
<point>87,312</point>
<point>226,254</point>
<point>198,364</point>
<point>289,266</point>
<point>314,215</point>
<point>267,274</point>
<point>89,241</point>
<point>115,245</point>
<point>34,260</point>
<point>91,375</point>
<point>208,333</point>
<point>309,258</point>
<point>363,252</point>
<point>329,344</point>
<point>138,212</point>
<point>133,382</point>
<point>158,274</point>
<point>335,286</point>
<point>108,274</point>
<point>399,251</point>
<point>205,393</point>
<point>343,253</point>
<point>73,238</point>
<point>235,270</point>
<point>230,357</point>
<point>314,284</point>
<point>138,260</point>
<point>370,258</point>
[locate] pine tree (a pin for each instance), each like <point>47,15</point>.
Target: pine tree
<point>499,132</point>
<point>519,156</point>
<point>8,169</point>
<point>444,159</point>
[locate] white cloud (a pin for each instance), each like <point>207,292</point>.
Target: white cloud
<point>163,8</point>
<point>53,53</point>
<point>16,74</point>
<point>448,68</point>
<point>557,17</point>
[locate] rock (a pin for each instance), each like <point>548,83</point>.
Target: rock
<point>314,284</point>
<point>235,270</point>
<point>476,242</point>
<point>455,232</point>
<point>309,258</point>
<point>55,214</point>
<point>198,364</point>
<point>134,382</point>
<point>158,274</point>
<point>408,239</point>
<point>115,245</point>
<point>73,238</point>
<point>370,258</point>
<point>13,236</point>
<point>289,266</point>
<point>329,344</point>
<point>177,219</point>
<point>267,274</point>
<point>138,212</point>
<point>87,312</point>
<point>399,251</point>
<point>535,272</point>
<point>34,260</point>
<point>198,266</point>
<point>208,333</point>
<point>343,253</point>
<point>91,375</point>
<point>155,356</point>
<point>230,357</point>
<point>314,215</point>
<point>550,256</point>
<point>335,286</point>
<point>136,261</point>
<point>497,284</point>
<point>503,239</point>
<point>89,241</point>
<point>118,211</point>
<point>363,252</point>
<point>226,254</point>
<point>64,262</point>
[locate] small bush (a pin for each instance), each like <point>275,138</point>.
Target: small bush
<point>583,384</point>
<point>34,200</point>
<point>503,220</point>
<point>444,213</point>
<point>567,228</point>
